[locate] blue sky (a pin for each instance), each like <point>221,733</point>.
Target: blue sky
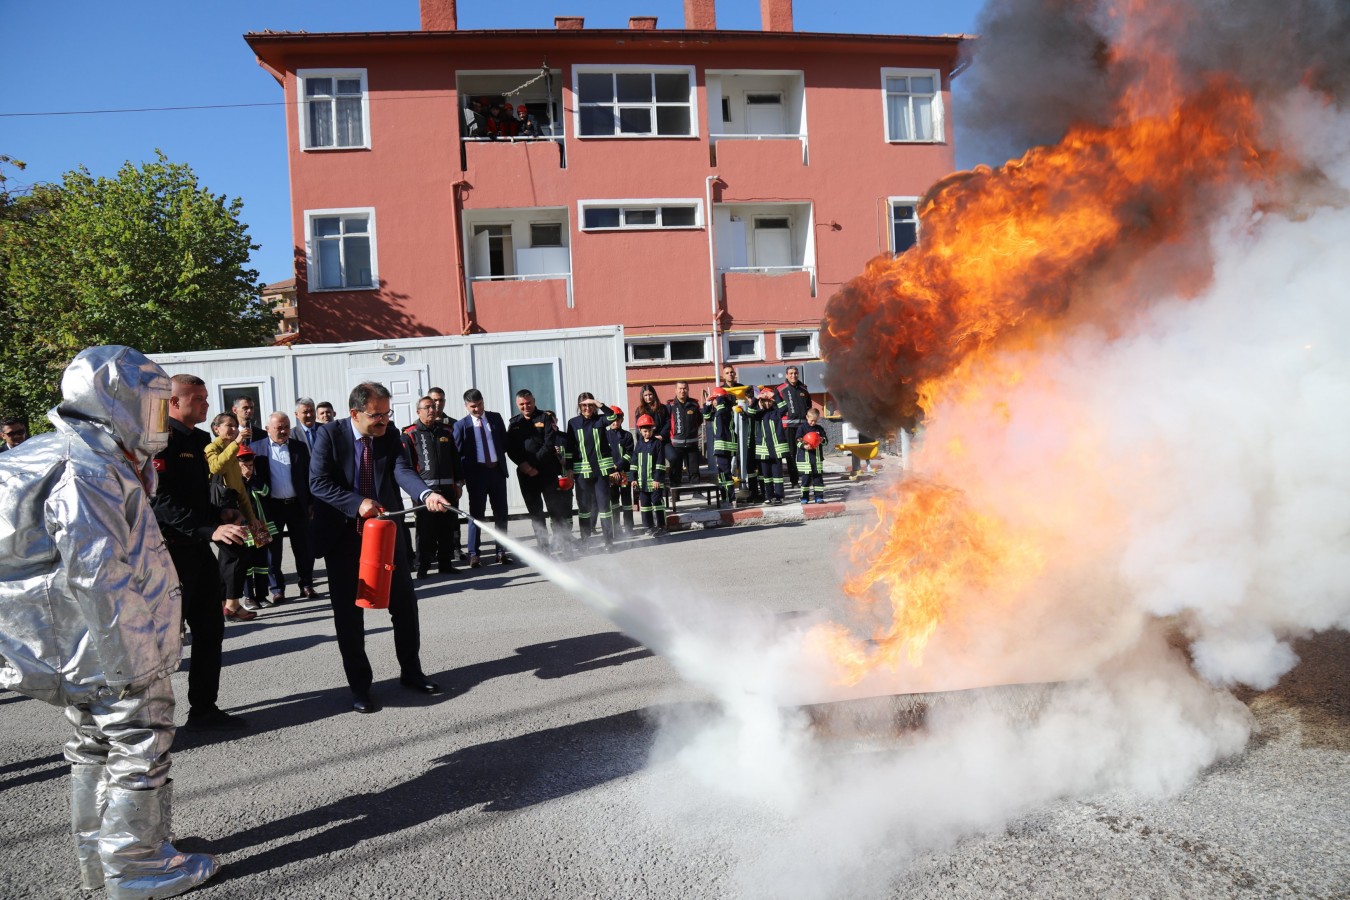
<point>85,55</point>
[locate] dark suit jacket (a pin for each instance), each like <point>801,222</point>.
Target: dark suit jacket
<point>299,467</point>
<point>468,447</point>
<point>332,468</point>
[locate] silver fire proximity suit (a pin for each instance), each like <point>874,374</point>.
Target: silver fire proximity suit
<point>90,610</point>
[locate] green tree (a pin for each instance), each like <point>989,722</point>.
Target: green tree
<point>149,259</point>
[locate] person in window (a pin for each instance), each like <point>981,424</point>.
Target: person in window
<point>475,125</point>
<point>527,126</point>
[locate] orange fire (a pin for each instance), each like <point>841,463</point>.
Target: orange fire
<point>1007,256</point>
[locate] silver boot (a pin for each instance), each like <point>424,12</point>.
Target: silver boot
<point>88,799</point>
<point>139,863</point>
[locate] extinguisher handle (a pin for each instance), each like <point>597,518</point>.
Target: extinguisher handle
<point>390,513</point>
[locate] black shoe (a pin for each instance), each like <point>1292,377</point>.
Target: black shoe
<point>308,593</point>
<point>363,704</point>
<point>503,558</point>
<point>421,685</point>
<point>422,574</point>
<point>474,561</point>
<point>215,720</point>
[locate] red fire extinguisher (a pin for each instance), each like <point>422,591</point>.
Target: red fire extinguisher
<point>377,563</point>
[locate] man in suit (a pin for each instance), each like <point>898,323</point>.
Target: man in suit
<point>357,467</point>
<point>282,463</point>
<point>481,439</point>
<point>305,422</point>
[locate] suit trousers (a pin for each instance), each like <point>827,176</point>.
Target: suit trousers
<point>290,517</point>
<point>436,540</point>
<point>203,592</point>
<point>485,484</point>
<point>349,619</point>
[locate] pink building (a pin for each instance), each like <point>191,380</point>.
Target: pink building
<point>706,189</point>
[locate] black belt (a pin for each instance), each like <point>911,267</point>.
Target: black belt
<point>286,500</point>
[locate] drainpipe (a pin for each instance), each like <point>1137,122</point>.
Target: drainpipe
<point>456,223</point>
<point>712,277</point>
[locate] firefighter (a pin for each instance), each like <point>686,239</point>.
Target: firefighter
<point>770,445</point>
<point>685,419</point>
<point>620,482</point>
<point>590,459</point>
<point>431,450</point>
<point>90,606</point>
<point>649,477</point>
<point>794,399</point>
<point>811,456</point>
<point>720,410</point>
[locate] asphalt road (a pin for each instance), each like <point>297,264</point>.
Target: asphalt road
<point>545,769</point>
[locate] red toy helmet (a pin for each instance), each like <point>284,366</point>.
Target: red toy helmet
<point>616,412</point>
<point>718,392</point>
<point>812,439</point>
<point>564,482</point>
<point>767,394</point>
<point>245,452</point>
<point>646,421</point>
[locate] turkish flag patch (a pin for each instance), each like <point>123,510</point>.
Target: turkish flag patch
<point>160,465</point>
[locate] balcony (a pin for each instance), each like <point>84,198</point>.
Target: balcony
<point>765,108</point>
<point>770,292</point>
<point>519,302</point>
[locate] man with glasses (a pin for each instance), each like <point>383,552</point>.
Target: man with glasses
<point>434,457</point>
<point>356,470</point>
<point>15,432</point>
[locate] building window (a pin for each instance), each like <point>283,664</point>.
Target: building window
<point>341,249</point>
<point>913,106</point>
<point>600,215</point>
<point>655,351</point>
<point>904,225</point>
<point>333,109</point>
<point>797,344</point>
<point>743,347</point>
<point>625,103</point>
<point>546,234</point>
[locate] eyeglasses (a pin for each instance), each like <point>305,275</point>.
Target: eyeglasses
<point>371,415</point>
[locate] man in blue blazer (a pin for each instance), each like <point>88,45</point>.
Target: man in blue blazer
<point>481,439</point>
<point>282,463</point>
<point>357,467</point>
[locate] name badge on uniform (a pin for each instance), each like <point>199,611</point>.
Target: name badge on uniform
<point>187,456</point>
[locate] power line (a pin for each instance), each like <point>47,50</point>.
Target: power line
<point>102,112</point>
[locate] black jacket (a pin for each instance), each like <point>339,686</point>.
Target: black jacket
<point>182,502</point>
<point>433,454</point>
<point>684,422</point>
<point>299,451</point>
<point>536,441</point>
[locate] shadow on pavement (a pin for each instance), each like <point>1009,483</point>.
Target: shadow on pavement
<point>500,775</point>
<point>30,771</point>
<point>555,659</point>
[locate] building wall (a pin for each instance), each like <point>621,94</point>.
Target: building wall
<point>649,281</point>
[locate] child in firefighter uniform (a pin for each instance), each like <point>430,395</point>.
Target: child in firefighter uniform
<point>257,559</point>
<point>770,445</point>
<point>649,476</point>
<point>811,457</point>
<point>720,410</point>
<point>590,457</point>
<point>621,482</point>
<point>90,605</point>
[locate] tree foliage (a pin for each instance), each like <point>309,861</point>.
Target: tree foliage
<point>149,259</point>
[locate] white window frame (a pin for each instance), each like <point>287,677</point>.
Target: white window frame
<point>312,255</point>
<point>622,205</point>
<point>666,339</point>
<point>595,68</point>
<point>939,126</point>
<point>813,353</point>
<point>266,386</point>
<point>302,105</point>
<point>557,398</point>
<point>757,355</point>
<point>891,204</point>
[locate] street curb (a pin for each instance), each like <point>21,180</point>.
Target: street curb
<point>758,515</point>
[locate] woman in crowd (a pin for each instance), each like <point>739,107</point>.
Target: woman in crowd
<point>650,405</point>
<point>222,457</point>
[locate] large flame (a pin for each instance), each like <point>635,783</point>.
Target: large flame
<point>1005,260</point>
